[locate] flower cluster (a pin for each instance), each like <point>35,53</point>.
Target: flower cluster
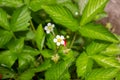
<point>59,39</point>
<point>55,58</point>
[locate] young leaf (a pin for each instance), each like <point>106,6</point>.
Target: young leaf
<point>63,16</point>
<point>7,58</point>
<point>96,47</point>
<point>5,37</point>
<point>40,37</point>
<point>84,65</point>
<point>3,20</point>
<point>91,9</point>
<point>97,32</point>
<point>20,19</point>
<point>102,74</point>
<point>106,61</point>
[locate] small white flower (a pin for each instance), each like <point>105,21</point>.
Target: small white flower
<point>49,28</point>
<point>55,58</point>
<point>59,40</point>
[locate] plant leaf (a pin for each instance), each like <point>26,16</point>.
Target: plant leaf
<point>6,73</point>
<point>96,47</point>
<point>106,61</point>
<point>47,53</point>
<point>16,45</point>
<point>97,32</point>
<point>5,37</point>
<point>11,3</point>
<point>112,50</point>
<point>40,37</point>
<point>20,19</point>
<point>27,75</point>
<point>3,20</point>
<point>91,9</point>
<point>84,65</point>
<point>35,5</point>
<point>56,71</point>
<point>7,58</point>
<point>102,74</point>
<point>63,16</point>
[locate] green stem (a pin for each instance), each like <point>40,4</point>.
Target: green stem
<point>73,41</point>
<point>32,26</point>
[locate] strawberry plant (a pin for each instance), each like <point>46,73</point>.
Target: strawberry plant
<point>57,40</point>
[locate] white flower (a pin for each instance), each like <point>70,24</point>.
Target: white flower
<point>55,58</point>
<point>49,28</point>
<point>59,40</point>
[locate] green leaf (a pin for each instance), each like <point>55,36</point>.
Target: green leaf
<point>31,51</point>
<point>25,61</point>
<point>16,45</point>
<point>20,19</point>
<point>118,76</point>
<point>112,50</point>
<point>5,37</point>
<point>11,3</point>
<point>56,71</point>
<point>35,5</point>
<point>44,66</point>
<point>63,16</point>
<point>50,42</point>
<point>7,58</point>
<point>95,31</point>
<point>47,53</point>
<point>84,65</point>
<point>102,74</point>
<point>40,37</point>
<point>3,19</point>
<point>91,9</point>
<point>27,75</point>
<point>106,61</point>
<point>82,5</point>
<point>72,7</point>
<point>96,47</point>
<point>6,73</point>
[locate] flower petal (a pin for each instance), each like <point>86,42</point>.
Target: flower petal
<point>58,43</point>
<point>62,37</point>
<point>47,32</point>
<point>58,36</point>
<point>49,24</point>
<point>55,40</point>
<point>62,42</point>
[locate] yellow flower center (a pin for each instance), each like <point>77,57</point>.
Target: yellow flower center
<point>50,28</point>
<point>59,40</point>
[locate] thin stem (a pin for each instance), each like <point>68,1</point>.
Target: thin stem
<point>32,26</point>
<point>74,37</point>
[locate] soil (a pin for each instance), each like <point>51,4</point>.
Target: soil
<point>113,10</point>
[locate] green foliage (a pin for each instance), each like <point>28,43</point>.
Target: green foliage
<point>102,74</point>
<point>95,31</point>
<point>63,16</point>
<point>76,48</point>
<point>92,8</point>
